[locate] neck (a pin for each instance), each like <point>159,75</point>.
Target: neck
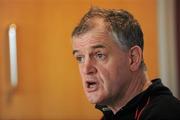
<point>138,84</point>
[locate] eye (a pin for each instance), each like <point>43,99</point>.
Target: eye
<point>100,56</point>
<point>80,59</point>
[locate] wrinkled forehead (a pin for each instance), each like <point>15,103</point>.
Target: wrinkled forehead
<point>97,35</point>
<point>94,40</point>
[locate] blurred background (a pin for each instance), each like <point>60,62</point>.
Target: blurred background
<point>48,84</point>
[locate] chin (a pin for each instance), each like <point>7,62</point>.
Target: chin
<point>94,100</point>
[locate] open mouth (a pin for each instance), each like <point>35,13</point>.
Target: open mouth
<point>91,86</point>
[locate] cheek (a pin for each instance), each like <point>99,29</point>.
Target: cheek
<point>106,77</point>
<point>121,71</point>
<point>121,76</point>
<point>114,73</point>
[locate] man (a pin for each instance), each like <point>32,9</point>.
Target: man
<point>108,45</point>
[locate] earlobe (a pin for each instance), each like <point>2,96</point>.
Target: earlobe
<point>135,55</point>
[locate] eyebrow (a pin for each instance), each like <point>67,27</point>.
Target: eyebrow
<point>98,46</point>
<point>94,47</point>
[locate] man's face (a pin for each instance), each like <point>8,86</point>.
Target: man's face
<point>103,65</point>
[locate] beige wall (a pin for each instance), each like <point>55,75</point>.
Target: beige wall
<point>49,82</point>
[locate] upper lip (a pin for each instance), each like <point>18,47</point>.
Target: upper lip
<point>90,81</point>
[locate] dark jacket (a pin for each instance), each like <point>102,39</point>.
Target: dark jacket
<point>155,103</point>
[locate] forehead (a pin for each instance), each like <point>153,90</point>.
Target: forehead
<point>96,36</point>
<point>92,36</point>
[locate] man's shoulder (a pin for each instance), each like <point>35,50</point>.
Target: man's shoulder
<point>163,107</point>
<point>164,101</point>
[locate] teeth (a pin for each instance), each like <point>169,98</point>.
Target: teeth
<point>91,84</point>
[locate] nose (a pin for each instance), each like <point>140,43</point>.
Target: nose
<point>89,67</point>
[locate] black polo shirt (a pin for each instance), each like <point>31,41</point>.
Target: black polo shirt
<point>155,103</point>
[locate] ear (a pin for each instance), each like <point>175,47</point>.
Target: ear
<point>135,57</point>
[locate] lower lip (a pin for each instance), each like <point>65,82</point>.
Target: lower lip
<point>92,89</point>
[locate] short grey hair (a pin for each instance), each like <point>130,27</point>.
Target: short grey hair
<point>123,26</point>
